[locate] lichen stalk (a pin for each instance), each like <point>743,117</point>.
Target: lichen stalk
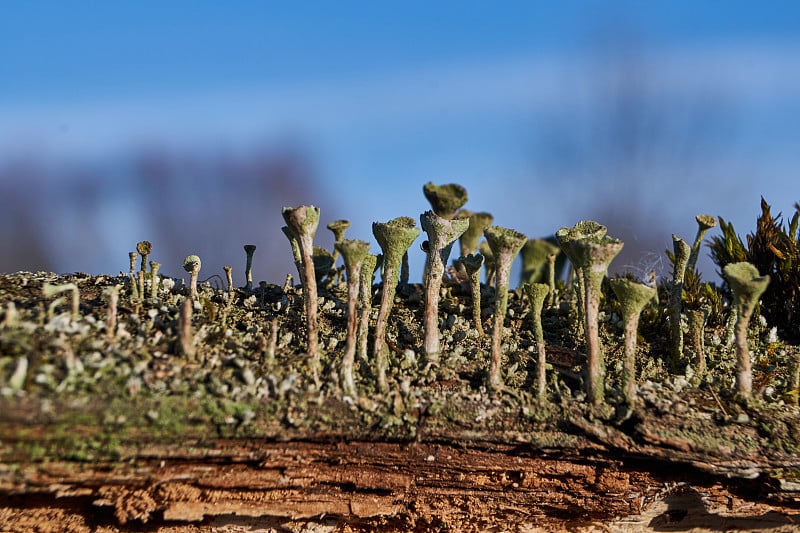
<point>697,321</point>
<point>353,254</point>
<point>302,221</point>
<point>537,293</point>
<point>505,244</point>
<point>229,280</point>
<point>185,336</point>
<point>472,265</point>
<point>144,248</point>
<point>192,265</point>
<point>140,282</point>
<point>49,291</point>
<point>747,286</point>
<point>404,272</point>
<point>338,228</point>
<point>273,339</point>
<point>682,252</point>
<point>590,251</point>
<point>441,233</point>
<point>633,297</point>
<point>704,223</point>
<point>534,258</point>
<point>249,250</point>
<point>111,319</point>
<point>469,240</point>
<point>394,238</point>
<point>551,279</point>
<point>154,279</point>
<point>365,306</point>
<point>132,276</point>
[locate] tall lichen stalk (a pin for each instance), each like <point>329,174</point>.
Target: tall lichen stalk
<point>472,266</point>
<point>505,244</point>
<point>441,235</point>
<point>537,292</point>
<point>682,252</point>
<point>591,252</point>
<point>633,297</point>
<point>747,287</point>
<point>353,253</point>
<point>302,222</point>
<point>365,303</point>
<point>394,238</point>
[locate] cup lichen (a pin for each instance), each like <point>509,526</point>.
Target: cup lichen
<point>442,233</point>
<point>471,237</point>
<point>249,250</point>
<point>537,292</point>
<point>534,255</point>
<point>633,297</point>
<point>681,257</point>
<point>505,244</point>
<point>747,286</point>
<point>445,200</point>
<point>338,228</point>
<point>394,237</point>
<point>472,265</point>
<point>704,223</point>
<point>353,254</point>
<point>368,268</point>
<point>591,251</point>
<point>144,248</point>
<point>302,222</point>
<point>192,265</point>
<point>154,280</point>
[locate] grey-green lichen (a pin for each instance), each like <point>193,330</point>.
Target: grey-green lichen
<point>681,256</point>
<point>505,244</point>
<point>591,251</point>
<point>249,376</point>
<point>445,200</point>
<point>704,223</point>
<point>192,264</point>
<point>442,232</point>
<point>394,237</point>
<point>478,222</point>
<point>144,248</point>
<point>534,255</point>
<point>354,253</point>
<point>249,250</point>
<point>747,286</point>
<point>302,222</point>
<point>472,266</point>
<point>537,292</point>
<point>633,297</point>
<point>338,228</point>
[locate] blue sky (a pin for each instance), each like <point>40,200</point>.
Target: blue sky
<point>386,96</point>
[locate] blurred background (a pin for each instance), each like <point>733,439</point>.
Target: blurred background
<point>191,123</point>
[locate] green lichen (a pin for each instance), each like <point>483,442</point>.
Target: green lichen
<point>591,251</point>
<point>445,200</point>
<point>633,297</point>
<point>537,292</point>
<point>442,232</point>
<point>394,238</point>
<point>505,244</point>
<point>747,286</point>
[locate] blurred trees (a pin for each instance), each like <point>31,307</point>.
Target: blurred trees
<point>633,152</point>
<point>87,215</point>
